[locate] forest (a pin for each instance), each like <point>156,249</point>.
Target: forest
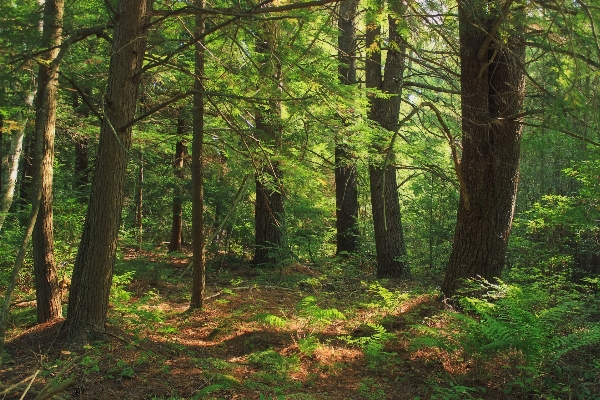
<point>315,199</point>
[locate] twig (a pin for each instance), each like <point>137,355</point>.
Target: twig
<point>30,383</point>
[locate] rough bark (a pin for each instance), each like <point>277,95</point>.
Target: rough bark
<point>199,268</point>
<point>177,220</point>
<point>10,169</point>
<point>92,274</point>
<point>492,84</point>
<point>346,190</point>
<point>47,289</point>
<point>385,201</point>
<point>269,206</point>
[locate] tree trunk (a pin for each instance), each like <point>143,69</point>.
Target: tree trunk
<point>10,168</point>
<point>47,290</point>
<point>269,208</point>
<point>180,152</point>
<point>92,274</point>
<point>139,202</point>
<point>492,85</point>
<point>82,158</point>
<point>199,268</point>
<point>385,202</point>
<point>346,190</point>
<point>26,172</point>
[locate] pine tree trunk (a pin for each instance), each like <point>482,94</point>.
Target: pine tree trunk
<point>269,206</point>
<point>92,274</point>
<point>385,201</point>
<point>47,290</point>
<point>492,93</point>
<point>346,190</point>
<point>177,222</point>
<point>199,268</point>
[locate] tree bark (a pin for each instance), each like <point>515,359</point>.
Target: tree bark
<point>199,268</point>
<point>385,201</point>
<point>82,159</point>
<point>92,274</point>
<point>180,153</point>
<point>10,169</point>
<point>47,290</point>
<point>139,202</point>
<point>346,190</point>
<point>492,85</point>
<point>269,207</point>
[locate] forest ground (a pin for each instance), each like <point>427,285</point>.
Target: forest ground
<point>350,338</point>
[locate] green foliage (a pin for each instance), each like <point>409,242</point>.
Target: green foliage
<point>542,323</point>
<point>273,362</point>
<point>373,346</point>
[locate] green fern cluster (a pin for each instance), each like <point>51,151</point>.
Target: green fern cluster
<point>539,322</point>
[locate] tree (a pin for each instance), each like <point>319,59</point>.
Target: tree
<point>384,111</point>
<point>10,166</point>
<point>180,153</point>
<point>346,190</point>
<point>47,293</point>
<point>198,272</point>
<point>492,93</point>
<point>269,207</point>
<point>92,273</point>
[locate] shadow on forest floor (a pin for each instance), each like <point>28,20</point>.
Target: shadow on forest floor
<point>258,337</point>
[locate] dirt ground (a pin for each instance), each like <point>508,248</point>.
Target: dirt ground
<point>216,353</point>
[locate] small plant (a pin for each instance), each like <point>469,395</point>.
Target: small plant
<point>273,362</point>
<point>371,390</point>
<point>373,346</point>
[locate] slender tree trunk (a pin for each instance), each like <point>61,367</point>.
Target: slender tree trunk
<point>26,172</point>
<point>139,202</point>
<point>180,152</point>
<point>92,274</point>
<point>492,85</point>
<point>47,290</point>
<point>198,272</point>
<point>385,201</point>
<point>10,168</point>
<point>82,159</point>
<point>346,190</point>
<point>269,207</point>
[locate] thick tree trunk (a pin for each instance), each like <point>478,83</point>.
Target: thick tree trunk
<point>10,168</point>
<point>492,85</point>
<point>47,290</point>
<point>199,268</point>
<point>346,190</point>
<point>92,274</point>
<point>269,207</point>
<point>385,201</point>
<point>180,153</point>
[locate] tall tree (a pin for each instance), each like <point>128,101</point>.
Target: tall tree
<point>198,271</point>
<point>47,290</point>
<point>82,158</point>
<point>384,111</point>
<point>10,166</point>
<point>269,207</point>
<point>346,190</point>
<point>180,153</point>
<point>92,274</point>
<point>492,92</point>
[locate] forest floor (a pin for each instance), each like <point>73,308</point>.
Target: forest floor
<point>302,332</point>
